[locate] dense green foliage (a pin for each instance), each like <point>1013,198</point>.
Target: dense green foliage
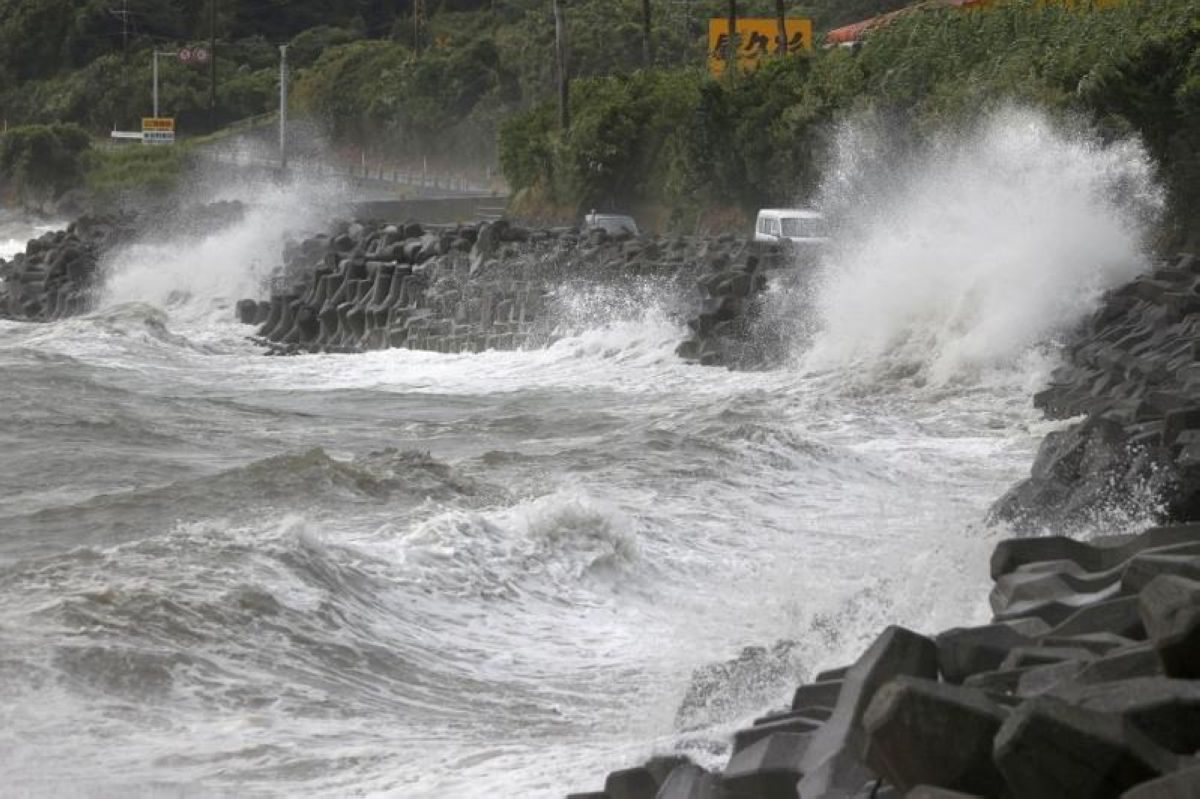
<point>41,161</point>
<point>480,86</point>
<point>357,72</point>
<point>757,140</point>
<point>487,63</point>
<point>43,38</point>
<point>594,163</point>
<point>376,92</point>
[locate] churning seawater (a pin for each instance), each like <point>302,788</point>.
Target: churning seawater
<point>421,575</point>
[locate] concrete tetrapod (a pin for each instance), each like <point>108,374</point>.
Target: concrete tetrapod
<point>689,781</point>
<point>933,792</point>
<point>631,783</point>
<point>1183,784</point>
<point>1066,601</point>
<point>922,732</point>
<point>964,651</point>
<point>1143,568</point>
<point>1119,616</point>
<point>1014,552</point>
<point>1138,660</point>
<point>1166,711</point>
<point>832,765</point>
<point>797,721</point>
<point>767,769</point>
<point>643,781</point>
<point>1048,749</point>
<point>1170,608</point>
<point>247,311</point>
<point>1039,680</point>
<point>818,694</point>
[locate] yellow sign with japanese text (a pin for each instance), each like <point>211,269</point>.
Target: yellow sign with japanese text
<point>158,130</point>
<point>756,39</point>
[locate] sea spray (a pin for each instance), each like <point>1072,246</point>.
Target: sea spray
<point>10,247</point>
<point>200,275</point>
<point>321,619</point>
<point>17,230</point>
<point>978,246</point>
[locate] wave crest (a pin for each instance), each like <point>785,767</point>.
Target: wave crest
<point>981,246</point>
<point>564,537</point>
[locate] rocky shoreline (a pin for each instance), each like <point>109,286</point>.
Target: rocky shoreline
<point>1086,683</point>
<point>494,286</point>
<point>369,285</point>
<point>1133,373</point>
<point>58,273</point>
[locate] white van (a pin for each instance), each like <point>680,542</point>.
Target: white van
<point>612,224</point>
<point>796,225</point>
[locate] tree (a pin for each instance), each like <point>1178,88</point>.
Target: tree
<point>42,160</point>
<point>781,18</point>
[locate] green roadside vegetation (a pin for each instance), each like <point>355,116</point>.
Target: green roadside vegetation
<point>680,140</point>
<point>40,163</point>
<point>356,72</point>
<point>154,171</point>
<point>665,139</point>
<point>43,159</point>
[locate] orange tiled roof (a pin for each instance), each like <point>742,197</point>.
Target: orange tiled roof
<point>852,33</point>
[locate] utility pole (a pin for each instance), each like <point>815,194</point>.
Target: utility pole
<point>418,24</point>
<point>212,65</point>
<point>158,54</point>
<point>560,52</point>
<point>123,15</point>
<point>781,18</point>
<point>283,96</point>
<point>647,42</point>
<point>732,44</point>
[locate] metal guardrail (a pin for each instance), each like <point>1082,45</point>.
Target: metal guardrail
<point>367,173</point>
<point>379,172</point>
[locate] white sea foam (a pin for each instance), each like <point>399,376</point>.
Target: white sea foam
<point>16,231</point>
<point>977,247</point>
<point>636,518</point>
<point>199,277</point>
<point>10,247</point>
<point>563,537</point>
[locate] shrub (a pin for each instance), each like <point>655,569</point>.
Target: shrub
<point>38,161</point>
